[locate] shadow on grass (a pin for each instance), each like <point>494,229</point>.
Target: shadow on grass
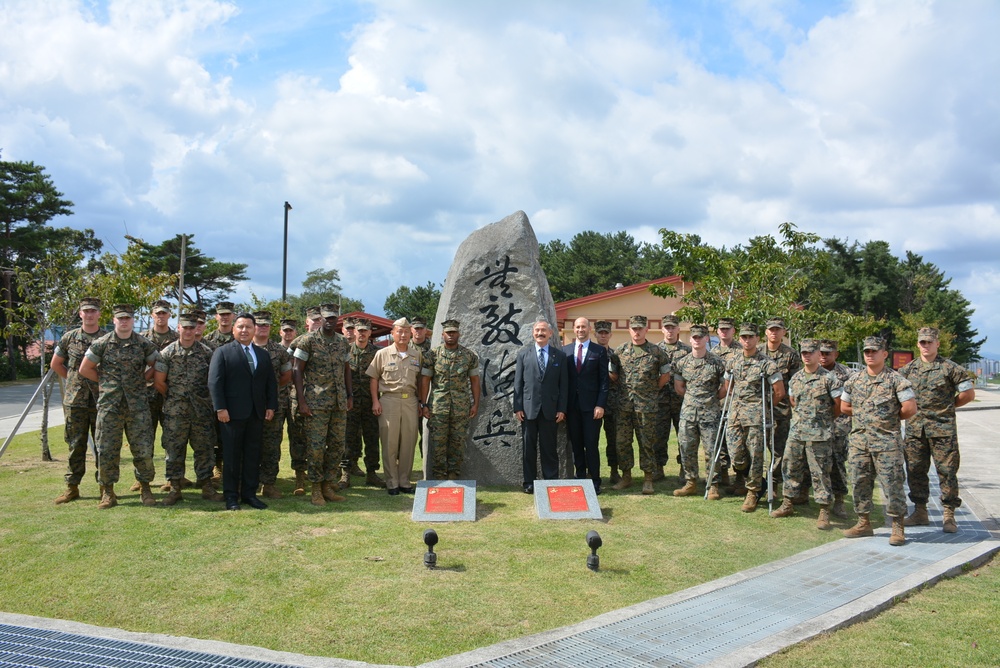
<point>484,510</point>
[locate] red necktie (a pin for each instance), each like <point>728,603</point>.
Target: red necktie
<point>579,357</point>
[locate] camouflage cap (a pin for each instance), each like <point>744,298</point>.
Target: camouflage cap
<point>726,322</point>
<point>776,322</point>
<point>201,314</point>
<point>401,322</point>
<point>827,346</point>
<point>224,307</point>
<point>749,329</point>
<point>362,323</point>
<point>808,345</point>
<point>670,320</point>
<point>874,343</point>
<point>312,313</point>
<point>349,323</point>
<point>329,310</point>
<point>123,310</point>
<point>928,334</point>
<point>418,321</point>
<point>189,319</point>
<point>699,330</point>
<point>603,326</point>
<point>90,304</point>
<point>289,323</point>
<point>161,306</point>
<point>262,317</point>
<point>637,321</point>
<point>449,326</point>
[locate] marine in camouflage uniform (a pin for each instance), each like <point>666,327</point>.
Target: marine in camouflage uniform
<point>602,334</point>
<point>162,336</point>
<point>746,378</point>
<point>270,445</point>
<point>80,394</point>
<point>420,338</point>
<point>219,337</point>
<point>644,369</point>
<point>669,401</point>
<point>788,363</point>
<point>815,397</point>
<point>940,385</point>
<point>121,361</point>
<point>698,379</point>
<point>452,371</point>
<point>362,425</point>
<point>842,427</point>
<point>726,328</point>
<point>322,373</point>
<point>181,377</point>
<point>296,434</point>
<point>877,398</point>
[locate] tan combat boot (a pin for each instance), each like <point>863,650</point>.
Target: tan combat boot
<point>108,498</point>
<point>626,480</point>
<point>217,474</point>
<point>136,486</point>
<point>689,489</point>
<point>270,492</point>
<point>750,502</point>
<point>165,487</point>
<point>146,494</point>
<point>658,474</point>
<point>838,506</point>
<point>329,491</point>
<point>208,491</point>
<point>713,493</point>
<point>300,483</point>
<point>345,478</point>
<point>355,469</point>
<point>614,478</point>
<point>918,518</point>
<point>739,484</point>
<point>317,494</point>
<point>860,530</point>
<point>647,483</point>
<point>72,493</point>
<point>823,521</point>
<point>786,509</point>
<point>175,493</point>
<point>949,525</point>
<point>373,479</point>
<point>898,536</point>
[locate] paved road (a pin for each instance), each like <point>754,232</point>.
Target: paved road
<point>15,396</point>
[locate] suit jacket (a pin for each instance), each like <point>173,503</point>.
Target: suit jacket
<point>237,389</point>
<point>588,388</point>
<point>535,393</point>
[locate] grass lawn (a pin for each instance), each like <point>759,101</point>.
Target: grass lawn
<point>347,580</point>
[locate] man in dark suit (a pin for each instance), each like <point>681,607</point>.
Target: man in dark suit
<point>245,394</point>
<point>541,394</point>
<point>588,396</point>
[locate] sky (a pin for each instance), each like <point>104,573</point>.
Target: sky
<point>397,128</point>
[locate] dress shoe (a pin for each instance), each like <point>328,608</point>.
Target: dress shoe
<point>407,490</point>
<point>393,491</point>
<point>529,489</point>
<point>597,491</point>
<point>232,504</point>
<point>254,502</point>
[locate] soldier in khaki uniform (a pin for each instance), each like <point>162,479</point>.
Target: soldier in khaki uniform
<point>941,386</point>
<point>453,371</point>
<point>362,425</point>
<point>80,395</point>
<point>877,398</point>
<point>842,427</point>
<point>602,334</point>
<point>121,362</point>
<point>270,446</point>
<point>644,369</point>
<point>669,401</point>
<point>181,377</point>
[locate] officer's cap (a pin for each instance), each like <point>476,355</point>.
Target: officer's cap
<point>402,322</point>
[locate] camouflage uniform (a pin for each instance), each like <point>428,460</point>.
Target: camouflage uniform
<point>640,368</point>
<point>424,347</point>
<point>842,427</point>
<point>296,435</point>
<point>325,392</point>
<point>161,341</point>
<point>188,415</point>
<point>669,402</point>
<point>362,425</point>
<point>931,432</point>
<point>726,353</point>
<point>700,411</point>
<point>810,435</point>
<point>123,405</point>
<point>788,362</point>
<point>745,431</point>
<point>450,402</point>
<point>270,446</point>
<point>218,338</point>
<point>611,411</point>
<point>79,400</point>
<point>875,444</point>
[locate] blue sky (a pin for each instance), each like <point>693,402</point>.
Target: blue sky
<point>396,128</point>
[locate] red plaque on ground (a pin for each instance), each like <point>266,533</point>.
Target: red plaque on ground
<point>567,499</point>
<point>445,499</point>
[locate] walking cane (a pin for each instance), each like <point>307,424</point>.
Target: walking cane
<point>727,406</point>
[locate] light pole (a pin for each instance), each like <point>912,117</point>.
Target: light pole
<point>284,261</point>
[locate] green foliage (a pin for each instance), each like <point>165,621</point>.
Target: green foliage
<point>126,279</point>
<point>322,286</point>
<point>207,281</point>
<point>407,303</point>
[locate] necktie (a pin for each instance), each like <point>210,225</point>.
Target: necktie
<point>579,356</point>
<point>541,360</point>
<point>246,349</point>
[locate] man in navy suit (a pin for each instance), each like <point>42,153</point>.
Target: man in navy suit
<point>588,396</point>
<point>541,393</point>
<point>245,394</point>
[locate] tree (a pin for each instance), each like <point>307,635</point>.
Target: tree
<point>322,286</point>
<point>206,280</point>
<point>406,303</point>
<point>125,279</point>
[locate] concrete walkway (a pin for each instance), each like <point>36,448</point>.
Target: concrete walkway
<point>734,621</point>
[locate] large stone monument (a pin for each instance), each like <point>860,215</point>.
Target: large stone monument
<point>497,290</point>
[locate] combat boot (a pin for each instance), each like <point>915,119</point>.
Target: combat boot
<point>658,474</point>
<point>165,487</point>
<point>801,500</point>
<point>739,484</point>
<point>329,491</point>
<point>786,509</point>
<point>372,479</point>
<point>146,494</point>
<point>355,469</point>
<point>317,494</point>
<point>860,530</point>
<point>217,474</point>
<point>300,483</point>
<point>724,481</point>
<point>948,526</point>
<point>72,493</point>
<point>750,502</point>
<point>175,493</point>
<point>208,491</point>
<point>898,536</point>
<point>838,507</point>
<point>614,478</point>
<point>713,493</point>
<point>823,521</point>
<point>136,486</point>
<point>689,489</point>
<point>647,482</point>
<point>270,492</point>
<point>108,498</point>
<point>918,518</point>
<point>626,480</point>
<point>186,484</point>
<point>345,478</point>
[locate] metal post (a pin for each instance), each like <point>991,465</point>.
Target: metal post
<point>180,286</point>
<point>284,261</point>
